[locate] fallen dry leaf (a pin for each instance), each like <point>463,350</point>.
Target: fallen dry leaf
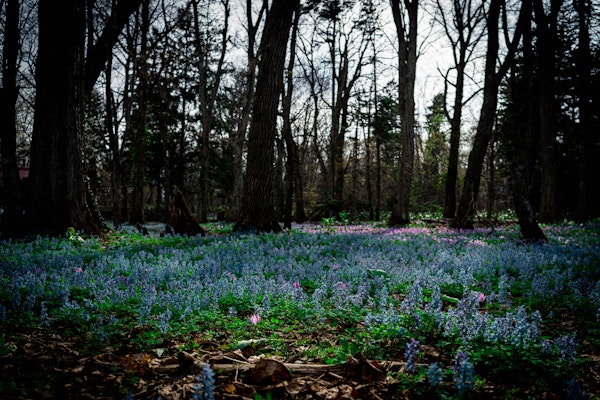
<point>269,371</point>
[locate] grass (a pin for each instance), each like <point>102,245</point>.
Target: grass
<point>500,318</point>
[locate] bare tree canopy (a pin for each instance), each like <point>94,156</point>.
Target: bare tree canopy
<point>266,112</point>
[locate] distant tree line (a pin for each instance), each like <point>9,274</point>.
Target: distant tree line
<point>269,112</point>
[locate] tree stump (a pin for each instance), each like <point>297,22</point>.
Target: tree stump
<point>181,221</point>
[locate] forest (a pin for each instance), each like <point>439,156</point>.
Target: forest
<point>299,199</point>
<point>316,112</point>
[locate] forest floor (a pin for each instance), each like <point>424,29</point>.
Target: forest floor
<point>281,360</point>
<point>50,366</point>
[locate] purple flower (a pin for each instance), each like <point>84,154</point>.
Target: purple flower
<point>481,297</point>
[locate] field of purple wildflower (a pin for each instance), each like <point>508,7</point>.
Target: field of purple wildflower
<point>356,311</point>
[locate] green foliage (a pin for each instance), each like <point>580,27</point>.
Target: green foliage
<point>452,290</point>
<point>516,368</point>
<point>73,236</point>
<point>345,218</point>
<point>326,296</point>
<point>242,305</point>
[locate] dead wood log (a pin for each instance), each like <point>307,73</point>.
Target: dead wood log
<point>357,369</point>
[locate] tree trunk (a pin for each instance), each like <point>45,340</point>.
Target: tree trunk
<point>292,162</point>
<point>99,57</point>
<point>377,178</point>
<point>12,197</point>
<point>521,171</point>
<point>279,185</point>
<point>257,208</point>
<point>491,181</point>
<point>207,97</point>
<point>246,107</point>
<point>340,169</point>
<point>180,220</point>
<point>335,112</point>
<point>368,172</point>
<point>206,117</point>
<point>59,199</point>
<point>338,130</point>
<point>373,100</point>
<point>407,58</point>
<point>524,142</point>
<point>300,213</point>
<point>99,53</point>
<point>467,205</point>
<point>463,20</point>
<point>546,32</point>
<point>583,88</point>
<point>138,170</point>
<point>455,126</point>
<point>529,227</point>
<point>115,150</point>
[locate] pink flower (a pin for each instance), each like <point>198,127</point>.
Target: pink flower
<point>254,318</point>
<point>79,269</point>
<point>477,242</point>
<point>296,285</point>
<point>343,286</point>
<point>335,266</point>
<point>481,297</point>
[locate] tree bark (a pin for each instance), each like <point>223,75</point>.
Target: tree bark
<point>545,45</point>
<point>12,220</point>
<point>59,199</point>
<point>99,53</point>
<point>492,79</point>
<point>115,149</point>
<point>138,171</point>
<point>180,220</point>
<point>465,21</point>
<point>246,108</point>
<point>491,179</point>
<point>207,97</point>
<point>407,58</point>
<point>524,141</point>
<point>583,88</point>
<point>455,126</point>
<point>291,167</point>
<point>257,209</point>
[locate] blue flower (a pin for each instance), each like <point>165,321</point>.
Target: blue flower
<point>205,387</point>
<point>410,355</point>
<point>463,373</point>
<point>434,374</point>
